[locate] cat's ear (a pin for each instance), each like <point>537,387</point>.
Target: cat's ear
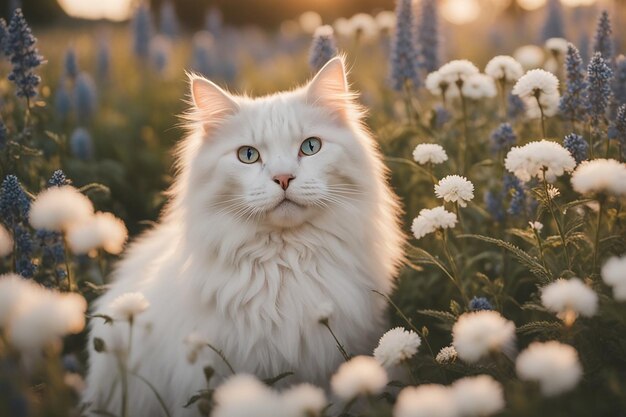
<point>211,103</point>
<point>329,88</point>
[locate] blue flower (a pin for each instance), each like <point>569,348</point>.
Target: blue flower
<point>577,146</point>
<point>24,55</point>
<point>620,125</point>
<point>428,36</point>
<point>502,138</point>
<point>599,76</point>
<point>480,303</point>
<point>85,98</point>
<point>213,21</point>
<point>403,48</point>
<point>103,58</point>
<point>62,101</point>
<point>323,48</point>
<point>71,63</point>
<point>574,104</point>
<point>442,116</point>
<point>619,84</point>
<point>14,203</point>
<point>4,36</point>
<point>58,179</point>
<point>602,41</point>
<point>142,31</point>
<point>521,202</point>
<point>81,144</point>
<point>583,47</point>
<point>495,205</point>
<point>516,107</point>
<point>553,25</point>
<point>168,20</point>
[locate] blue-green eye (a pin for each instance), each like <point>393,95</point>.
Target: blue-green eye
<point>311,146</point>
<point>248,155</point>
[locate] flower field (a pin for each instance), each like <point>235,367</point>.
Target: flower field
<point>506,153</point>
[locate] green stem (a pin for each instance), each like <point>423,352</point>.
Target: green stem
<point>596,244</point>
<point>70,286</point>
<point>455,274</point>
<point>543,122</point>
<point>343,352</point>
<point>556,220</point>
<point>222,356</point>
<point>540,247</point>
<point>464,138</point>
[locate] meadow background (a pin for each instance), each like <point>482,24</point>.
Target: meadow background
<point>106,114</point>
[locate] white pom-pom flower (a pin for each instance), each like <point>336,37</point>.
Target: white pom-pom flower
<point>361,375</point>
<point>427,400</point>
<point>458,70</point>
<point>15,293</point>
<point>431,220</point>
<point>303,400</point>
<point>397,345</point>
<point>447,354</point>
<point>195,343</point>
<point>569,298</point>
<point>536,82</point>
<point>58,208</point>
<point>456,189</point>
<point>554,365</point>
<point>102,230</point>
<point>600,176</point>
<point>479,86</point>
<point>6,242</point>
<point>549,105</point>
<point>244,395</point>
<point>614,275</point>
<point>129,305</point>
<point>437,85</point>
<point>532,159</point>
<point>425,153</point>
<point>557,46</point>
<point>478,396</point>
<point>529,56</point>
<point>479,333</point>
<point>504,67</point>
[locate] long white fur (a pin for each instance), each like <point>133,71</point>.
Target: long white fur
<point>249,278</point>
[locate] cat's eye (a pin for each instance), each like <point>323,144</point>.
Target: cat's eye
<point>248,154</point>
<point>311,146</point>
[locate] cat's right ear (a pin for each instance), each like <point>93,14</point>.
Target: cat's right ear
<point>211,103</point>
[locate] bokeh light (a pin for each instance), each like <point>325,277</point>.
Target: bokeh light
<point>116,10</point>
<point>460,11</point>
<point>531,4</point>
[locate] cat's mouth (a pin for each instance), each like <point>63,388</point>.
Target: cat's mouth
<point>286,203</point>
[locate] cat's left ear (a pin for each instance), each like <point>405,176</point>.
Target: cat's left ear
<point>211,104</point>
<point>329,88</point>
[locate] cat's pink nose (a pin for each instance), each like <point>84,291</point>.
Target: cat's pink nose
<point>283,180</point>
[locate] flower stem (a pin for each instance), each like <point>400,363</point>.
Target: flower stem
<point>222,357</point>
<point>70,285</point>
<point>596,244</point>
<point>543,122</point>
<point>455,274</point>
<point>342,350</point>
<point>463,144</point>
<point>556,220</point>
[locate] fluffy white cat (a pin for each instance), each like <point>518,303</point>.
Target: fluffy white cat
<point>280,214</point>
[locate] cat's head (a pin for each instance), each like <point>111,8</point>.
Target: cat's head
<point>281,160</point>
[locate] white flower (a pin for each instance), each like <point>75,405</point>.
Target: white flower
<point>538,226</point>
<point>476,334</point>
<point>16,293</point>
<point>478,396</point>
<point>479,86</point>
<point>430,220</point>
<point>554,365</point>
<point>102,230</point>
<point>447,354</point>
<point>361,375</point>
<point>436,84</point>
<point>427,400</point>
<point>244,395</point>
<point>396,346</point>
<point>569,298</point>
<point>304,400</point>
<point>530,56</point>
<point>614,274</point>
<point>194,343</point>
<point>558,46</point>
<point>455,188</point>
<point>6,242</point>
<point>429,153</point>
<point>363,26</point>
<point>531,159</point>
<point>386,20</point>
<point>600,176</point>
<point>128,305</point>
<point>459,69</point>
<point>57,208</point>
<point>325,310</point>
<point>536,82</point>
<point>504,67</point>
<point>549,105</point>
<point>553,192</point>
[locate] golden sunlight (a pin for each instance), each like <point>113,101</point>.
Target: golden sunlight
<point>531,4</point>
<point>460,11</point>
<point>110,9</point>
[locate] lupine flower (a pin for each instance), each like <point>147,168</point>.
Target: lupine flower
<point>128,305</point>
<point>323,47</point>
<point>244,395</point>
<point>103,58</point>
<point>58,179</point>
<point>403,49</point>
<point>516,107</point>
<point>614,274</point>
<point>619,84</point>
<point>103,230</point>
<point>504,68</point>
<point>479,86</point>
<point>600,176</point>
<point>557,46</point>
<point>430,220</point>
<point>142,31</point>
<point>554,365</point>
<point>577,146</point>
<point>14,203</point>
<point>58,208</point>
<point>479,333</point>
<point>502,138</point>
<point>426,400</point>
<point>428,35</point>
<point>478,396</point>
<point>396,346</point>
<point>620,125</point>
<point>81,144</point>
<point>599,76</point>
<point>6,242</point>
<point>62,100</point>
<point>160,51</point>
<point>168,20</point>
<point>361,375</point>
<point>532,159</point>
<point>480,303</point>
<point>456,189</point>
<point>569,299</point>
<point>553,26</point>
<point>603,43</point>
<point>85,97</point>
<point>441,116</point>
<point>447,354</point>
<point>429,153</point>
<point>213,21</point>
<point>71,63</point>
<point>24,55</point>
<point>521,201</point>
<point>495,205</point>
<point>304,400</point>
<point>574,104</point>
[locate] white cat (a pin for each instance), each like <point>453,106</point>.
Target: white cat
<point>280,210</point>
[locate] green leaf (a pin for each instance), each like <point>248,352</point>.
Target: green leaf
<point>540,327</point>
<point>273,380</point>
<point>441,315</point>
